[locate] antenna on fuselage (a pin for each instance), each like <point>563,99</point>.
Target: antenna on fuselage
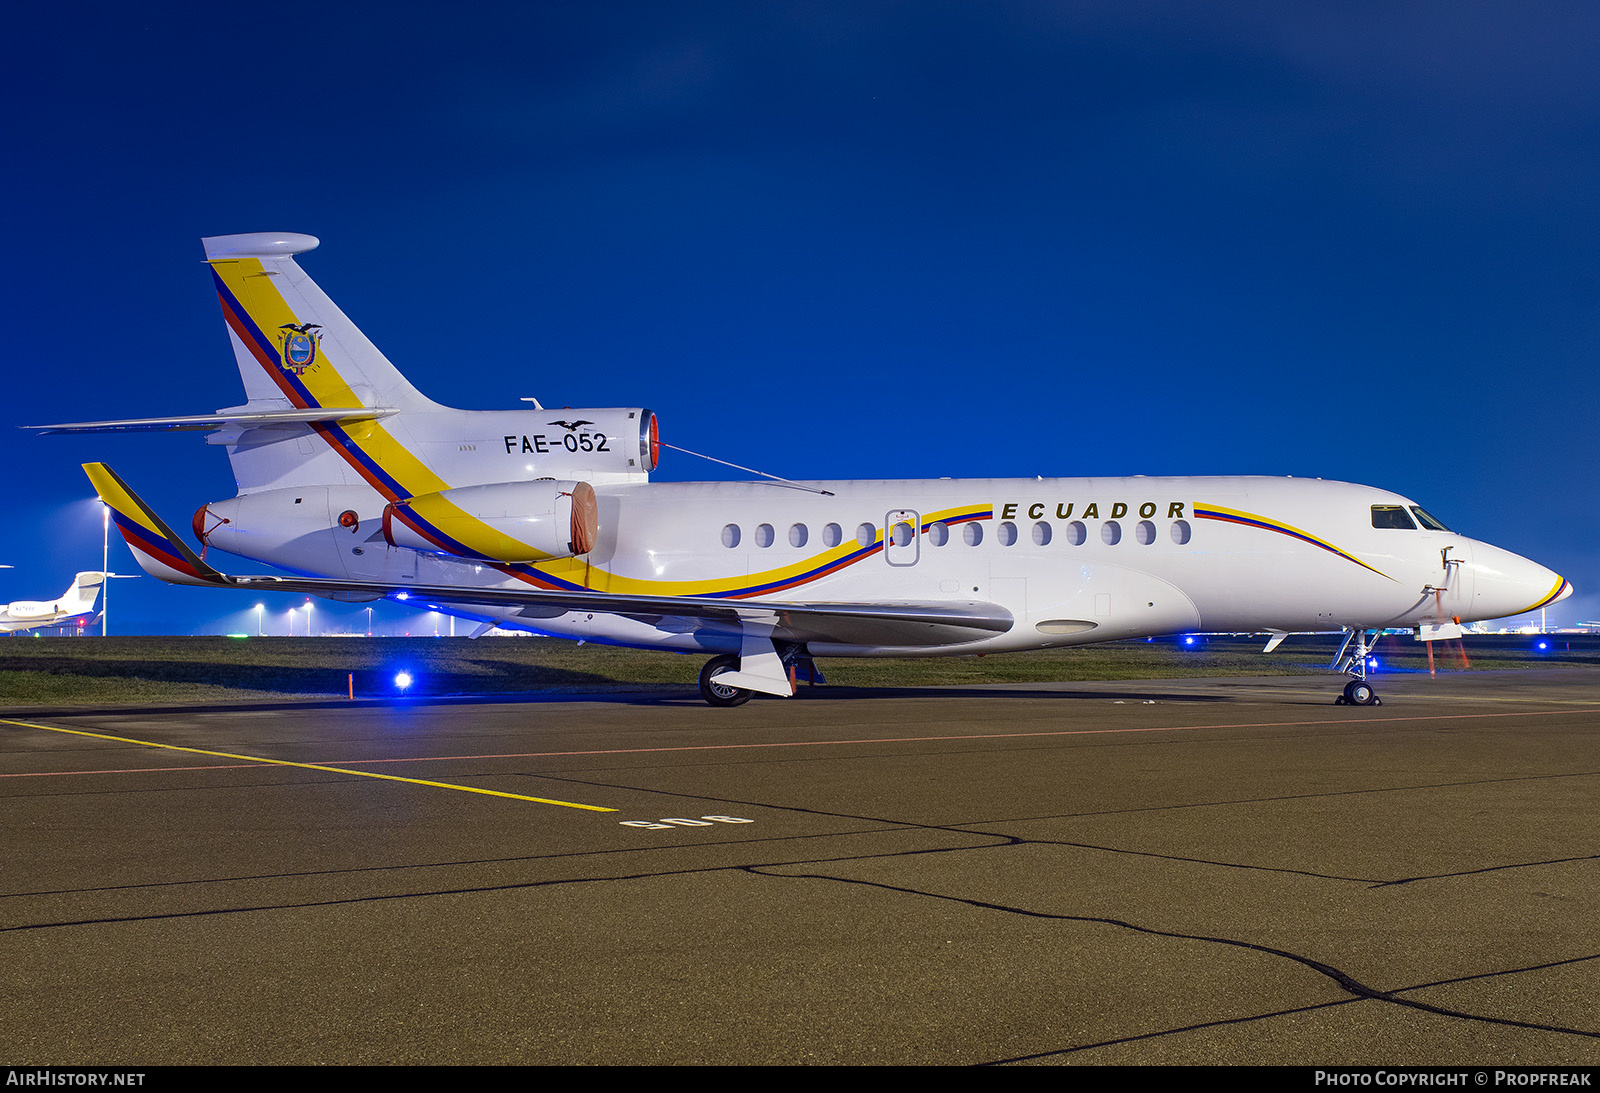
<point>749,470</point>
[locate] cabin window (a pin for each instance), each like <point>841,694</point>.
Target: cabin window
<point>1077,533</point>
<point>1145,532</point>
<point>798,535</point>
<point>832,535</point>
<point>730,536</point>
<point>1392,516</point>
<point>1041,534</point>
<point>902,534</point>
<point>1111,533</point>
<point>938,533</point>
<point>867,534</point>
<point>1428,519</point>
<point>1007,535</point>
<point>972,533</point>
<point>764,535</point>
<point>1180,532</point>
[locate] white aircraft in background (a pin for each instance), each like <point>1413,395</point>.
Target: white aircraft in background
<point>547,521</point>
<point>77,600</point>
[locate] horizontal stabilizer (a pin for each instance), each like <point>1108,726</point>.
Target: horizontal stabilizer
<point>248,420</point>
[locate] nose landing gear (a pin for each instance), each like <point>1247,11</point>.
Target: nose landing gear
<point>1358,692</point>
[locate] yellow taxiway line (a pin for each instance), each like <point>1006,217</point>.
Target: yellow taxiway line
<point>305,766</point>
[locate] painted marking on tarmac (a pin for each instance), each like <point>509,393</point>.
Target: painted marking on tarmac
<point>982,736</point>
<point>306,766</point>
<point>120,770</point>
<point>346,763</point>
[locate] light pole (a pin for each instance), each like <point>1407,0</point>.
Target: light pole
<point>260,607</point>
<point>369,622</point>
<point>105,566</point>
<point>308,618</point>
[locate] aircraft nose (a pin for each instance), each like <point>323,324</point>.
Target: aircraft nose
<point>1509,584</point>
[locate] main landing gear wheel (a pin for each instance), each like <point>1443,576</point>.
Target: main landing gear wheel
<point>1358,692</point>
<point>720,694</point>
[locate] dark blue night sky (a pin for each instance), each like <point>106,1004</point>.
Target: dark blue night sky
<point>835,240</point>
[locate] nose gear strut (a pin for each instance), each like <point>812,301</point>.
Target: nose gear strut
<point>1358,692</point>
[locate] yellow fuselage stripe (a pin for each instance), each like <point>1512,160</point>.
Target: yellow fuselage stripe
<point>305,766</point>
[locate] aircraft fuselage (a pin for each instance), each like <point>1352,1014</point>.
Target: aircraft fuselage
<point>1074,560</point>
<point>546,520</point>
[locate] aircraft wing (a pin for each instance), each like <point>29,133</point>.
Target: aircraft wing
<point>905,623</point>
<point>911,624</point>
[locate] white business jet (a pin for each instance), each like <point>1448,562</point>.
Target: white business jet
<point>77,600</point>
<point>547,521</point>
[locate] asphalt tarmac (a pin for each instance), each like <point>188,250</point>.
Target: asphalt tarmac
<point>1208,871</point>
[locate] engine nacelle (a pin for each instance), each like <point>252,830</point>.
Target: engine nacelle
<point>27,610</point>
<point>589,444</point>
<point>500,522</point>
<point>292,527</point>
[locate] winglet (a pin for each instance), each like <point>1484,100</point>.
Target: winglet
<point>160,552</point>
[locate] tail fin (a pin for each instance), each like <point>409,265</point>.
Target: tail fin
<point>156,548</point>
<point>292,343</point>
<point>81,594</point>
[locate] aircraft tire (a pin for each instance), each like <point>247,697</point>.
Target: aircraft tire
<point>1358,692</point>
<point>717,694</point>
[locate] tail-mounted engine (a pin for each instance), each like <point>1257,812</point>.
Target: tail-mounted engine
<point>501,522</point>
<point>603,444</point>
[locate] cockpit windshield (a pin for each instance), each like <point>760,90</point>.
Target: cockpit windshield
<point>1396,516</point>
<point>1391,516</point>
<point>1428,520</point>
